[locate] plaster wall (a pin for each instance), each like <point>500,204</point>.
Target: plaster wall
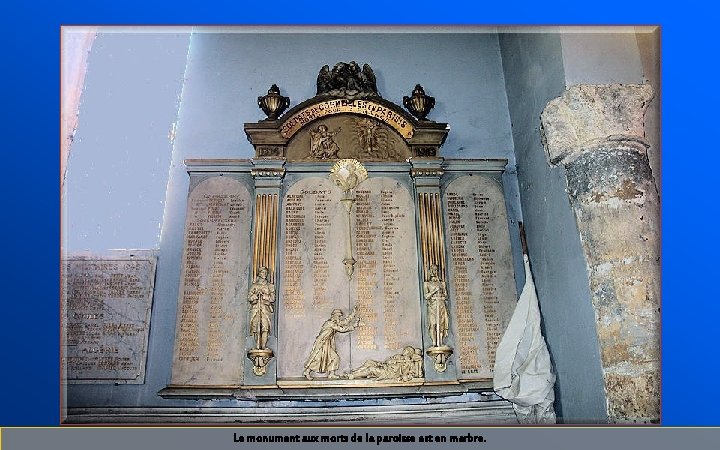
<point>118,171</point>
<point>535,74</point>
<point>649,47</point>
<point>228,71</point>
<point>118,163</point>
<point>601,58</point>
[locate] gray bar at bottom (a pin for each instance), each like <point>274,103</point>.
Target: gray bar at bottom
<point>291,438</point>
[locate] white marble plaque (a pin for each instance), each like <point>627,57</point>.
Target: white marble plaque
<point>313,279</point>
<point>481,279</point>
<point>384,285</point>
<point>106,310</point>
<point>210,325</point>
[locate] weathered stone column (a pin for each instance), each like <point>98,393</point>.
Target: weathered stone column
<point>597,133</point>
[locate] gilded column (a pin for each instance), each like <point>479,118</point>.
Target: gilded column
<point>437,334</point>
<point>597,133</point>
<point>261,297</point>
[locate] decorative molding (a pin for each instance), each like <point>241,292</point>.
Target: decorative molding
<point>267,173</point>
<point>423,151</point>
<point>264,151</point>
<point>426,172</point>
<point>483,410</point>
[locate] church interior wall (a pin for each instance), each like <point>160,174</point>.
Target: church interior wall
<point>534,75</point>
<point>153,100</point>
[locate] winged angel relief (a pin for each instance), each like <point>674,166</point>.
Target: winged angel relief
<point>372,139</point>
<point>322,143</point>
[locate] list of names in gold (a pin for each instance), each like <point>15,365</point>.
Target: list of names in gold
<point>385,289</point>
<point>214,276</point>
<point>480,271</point>
<point>313,280</point>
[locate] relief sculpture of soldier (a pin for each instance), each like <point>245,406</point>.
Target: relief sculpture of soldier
<point>436,298</point>
<point>323,356</point>
<point>402,367</point>
<point>262,299</point>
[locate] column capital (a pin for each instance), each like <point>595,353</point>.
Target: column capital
<point>586,117</point>
<point>268,172</point>
<point>426,171</point>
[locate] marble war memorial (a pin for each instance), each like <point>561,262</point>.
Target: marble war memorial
<point>329,235</point>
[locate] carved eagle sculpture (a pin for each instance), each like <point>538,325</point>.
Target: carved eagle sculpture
<point>323,80</point>
<point>347,80</point>
<point>368,79</point>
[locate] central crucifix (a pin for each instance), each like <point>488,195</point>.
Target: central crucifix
<point>347,174</point>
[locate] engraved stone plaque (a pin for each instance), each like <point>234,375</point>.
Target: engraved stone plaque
<point>481,278</point>
<point>106,309</point>
<point>210,325</point>
<point>313,278</point>
<point>384,286</point>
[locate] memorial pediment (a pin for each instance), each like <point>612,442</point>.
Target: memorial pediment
<point>347,118</point>
<point>346,259</point>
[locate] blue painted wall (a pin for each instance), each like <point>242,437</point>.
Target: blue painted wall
<point>118,165</point>
<point>227,72</point>
<point>534,75</point>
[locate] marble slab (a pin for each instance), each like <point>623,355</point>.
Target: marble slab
<point>106,305</point>
<point>384,285</point>
<point>481,278</point>
<point>211,317</point>
<point>313,280</point>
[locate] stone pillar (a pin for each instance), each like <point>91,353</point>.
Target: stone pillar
<point>439,347</point>
<point>268,175</point>
<point>597,133</point>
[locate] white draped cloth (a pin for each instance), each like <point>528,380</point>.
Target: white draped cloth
<point>523,373</point>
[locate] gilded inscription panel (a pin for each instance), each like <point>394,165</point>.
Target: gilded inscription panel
<point>481,278</point>
<point>106,311</point>
<point>339,106</point>
<point>384,286</point>
<point>210,325</point>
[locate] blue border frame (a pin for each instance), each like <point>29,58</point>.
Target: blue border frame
<point>30,121</point>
